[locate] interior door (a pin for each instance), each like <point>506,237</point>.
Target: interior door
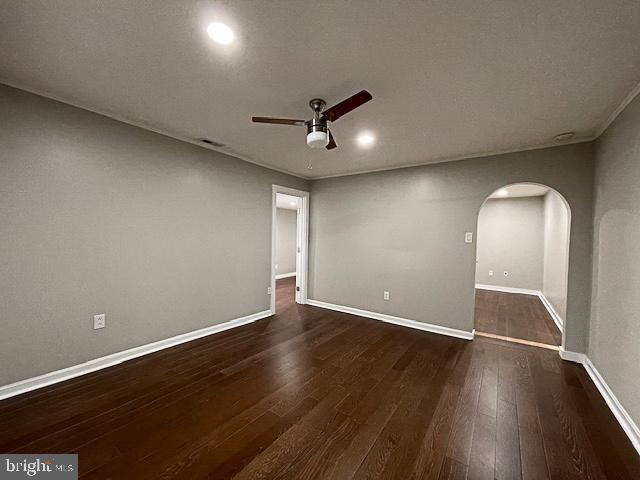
<point>299,224</point>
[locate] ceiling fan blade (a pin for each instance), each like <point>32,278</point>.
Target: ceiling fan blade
<point>347,105</point>
<point>279,121</point>
<point>332,143</point>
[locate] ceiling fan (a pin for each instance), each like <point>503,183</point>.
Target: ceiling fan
<point>318,133</point>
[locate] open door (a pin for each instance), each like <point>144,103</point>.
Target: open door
<point>301,248</point>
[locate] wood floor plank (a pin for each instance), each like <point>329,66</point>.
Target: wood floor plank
<point>459,447</point>
<point>452,470</point>
<point>564,457</point>
<point>488,401</point>
<point>534,460</point>
<point>431,454</point>
<point>508,466</point>
<point>482,463</point>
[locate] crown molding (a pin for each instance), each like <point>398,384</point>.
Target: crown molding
<point>464,157</point>
<point>611,118</point>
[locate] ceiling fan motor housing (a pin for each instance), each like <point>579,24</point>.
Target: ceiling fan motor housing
<point>317,134</point>
<point>317,131</point>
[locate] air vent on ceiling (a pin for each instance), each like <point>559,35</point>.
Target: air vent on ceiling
<point>211,142</point>
<point>564,136</point>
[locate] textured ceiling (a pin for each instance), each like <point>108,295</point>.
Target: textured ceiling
<point>449,79</point>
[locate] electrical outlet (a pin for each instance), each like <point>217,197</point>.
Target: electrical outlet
<point>99,321</point>
<point>505,273</point>
<point>491,273</point>
<point>268,290</point>
<point>385,295</point>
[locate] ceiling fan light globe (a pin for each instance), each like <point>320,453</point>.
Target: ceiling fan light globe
<point>317,139</point>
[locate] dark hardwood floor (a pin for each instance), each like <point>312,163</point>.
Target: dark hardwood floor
<point>285,294</point>
<point>515,315</point>
<point>311,393</point>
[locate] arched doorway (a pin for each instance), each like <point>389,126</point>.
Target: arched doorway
<point>522,258</point>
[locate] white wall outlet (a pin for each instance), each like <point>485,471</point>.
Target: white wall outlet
<point>99,321</point>
<point>491,273</point>
<point>385,295</point>
<point>468,237</point>
<point>268,290</point>
<point>505,273</point>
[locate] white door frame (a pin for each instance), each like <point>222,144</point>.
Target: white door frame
<point>302,240</point>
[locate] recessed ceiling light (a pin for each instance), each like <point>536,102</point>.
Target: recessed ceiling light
<point>366,139</point>
<point>503,192</point>
<point>220,33</point>
<point>564,136</point>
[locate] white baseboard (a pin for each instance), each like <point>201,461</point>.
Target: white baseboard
<point>497,288</point>
<point>572,356</point>
<point>427,327</point>
<point>285,275</point>
<point>552,311</point>
<point>557,319</point>
<point>50,378</point>
<point>624,419</point>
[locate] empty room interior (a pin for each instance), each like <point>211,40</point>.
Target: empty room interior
<point>325,240</point>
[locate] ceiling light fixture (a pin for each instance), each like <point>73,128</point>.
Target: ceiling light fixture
<point>366,139</point>
<point>317,138</point>
<point>220,33</point>
<point>503,192</point>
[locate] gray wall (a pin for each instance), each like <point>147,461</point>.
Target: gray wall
<point>99,216</point>
<point>556,234</point>
<point>403,231</point>
<point>286,222</point>
<point>614,345</point>
<point>510,238</point>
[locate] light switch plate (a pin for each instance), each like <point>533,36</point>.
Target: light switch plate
<point>99,321</point>
<point>468,237</point>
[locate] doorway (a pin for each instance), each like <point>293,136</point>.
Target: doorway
<point>522,260</point>
<point>289,247</point>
